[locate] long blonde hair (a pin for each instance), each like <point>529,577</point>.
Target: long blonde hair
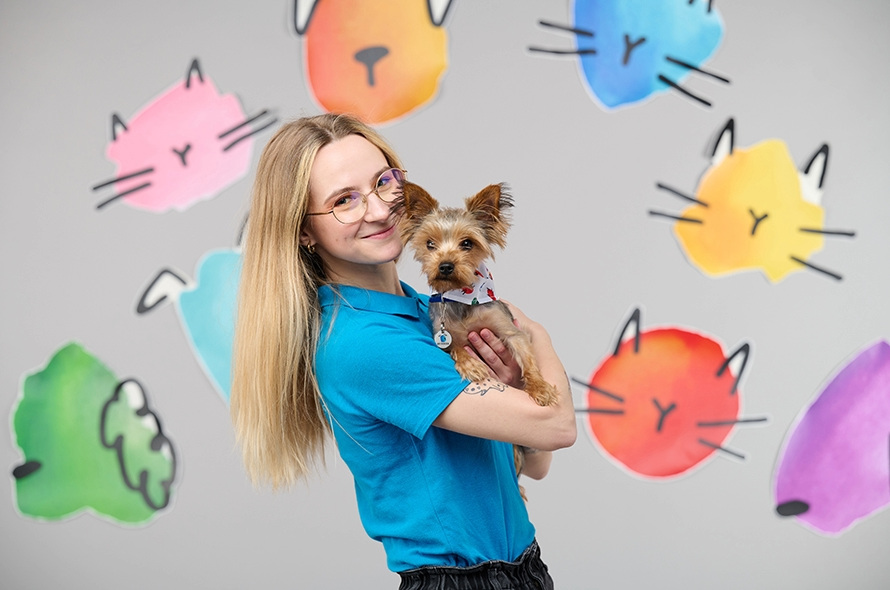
<point>276,404</point>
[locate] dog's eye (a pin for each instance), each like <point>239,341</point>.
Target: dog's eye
<point>430,245</point>
<point>466,245</point>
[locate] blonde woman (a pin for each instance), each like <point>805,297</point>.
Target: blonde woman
<point>329,341</point>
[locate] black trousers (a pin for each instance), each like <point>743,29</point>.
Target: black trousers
<point>526,573</point>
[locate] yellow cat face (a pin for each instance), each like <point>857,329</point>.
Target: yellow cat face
<point>754,210</point>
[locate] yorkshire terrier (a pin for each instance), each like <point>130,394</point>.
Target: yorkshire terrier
<point>452,245</point>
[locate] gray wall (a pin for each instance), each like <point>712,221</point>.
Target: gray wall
<point>805,72</point>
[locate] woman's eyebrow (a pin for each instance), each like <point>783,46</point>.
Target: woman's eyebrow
<point>336,193</point>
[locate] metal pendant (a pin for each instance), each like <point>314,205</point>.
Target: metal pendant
<point>442,338</point>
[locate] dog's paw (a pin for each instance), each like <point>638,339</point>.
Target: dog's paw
<point>542,392</point>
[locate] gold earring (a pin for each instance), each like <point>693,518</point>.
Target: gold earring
<point>311,248</point>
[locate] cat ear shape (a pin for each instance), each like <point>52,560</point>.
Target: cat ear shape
<point>736,363</point>
<point>626,334</point>
<point>438,10</point>
<point>812,176</point>
<point>116,122</point>
<point>242,230</point>
<point>167,285</point>
<point>303,11</point>
<point>194,68</point>
<point>725,143</point>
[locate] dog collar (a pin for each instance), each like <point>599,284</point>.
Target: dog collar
<point>481,291</point>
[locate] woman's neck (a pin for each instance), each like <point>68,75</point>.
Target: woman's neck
<point>382,277</point>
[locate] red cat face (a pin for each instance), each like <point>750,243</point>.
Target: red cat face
<point>665,400</point>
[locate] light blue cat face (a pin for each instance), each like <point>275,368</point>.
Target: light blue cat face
<point>631,50</point>
<point>207,312</point>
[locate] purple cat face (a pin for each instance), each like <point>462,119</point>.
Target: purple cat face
<point>835,467</point>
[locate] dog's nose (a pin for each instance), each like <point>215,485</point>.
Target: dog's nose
<point>370,56</point>
<point>446,268</point>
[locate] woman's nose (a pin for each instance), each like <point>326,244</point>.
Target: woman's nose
<point>377,208</point>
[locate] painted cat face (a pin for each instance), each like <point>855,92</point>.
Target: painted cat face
<point>185,146</point>
<point>753,210</point>
<point>91,443</point>
<point>665,400</point>
<point>632,50</point>
<point>206,309</point>
<point>378,61</point>
<point>834,469</point>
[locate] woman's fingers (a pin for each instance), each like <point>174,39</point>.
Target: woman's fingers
<point>497,356</point>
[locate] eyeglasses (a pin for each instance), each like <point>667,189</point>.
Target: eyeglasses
<point>351,206</point>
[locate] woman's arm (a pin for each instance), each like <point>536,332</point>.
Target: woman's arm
<point>495,410</point>
<point>536,464</point>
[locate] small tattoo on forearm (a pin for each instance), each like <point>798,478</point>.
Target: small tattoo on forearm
<point>483,387</point>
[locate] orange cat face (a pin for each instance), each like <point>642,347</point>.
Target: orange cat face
<point>753,210</point>
<point>376,60</point>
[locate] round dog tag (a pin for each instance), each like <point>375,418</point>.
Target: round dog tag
<point>442,338</point>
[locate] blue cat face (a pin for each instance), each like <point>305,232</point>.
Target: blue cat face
<point>630,50</point>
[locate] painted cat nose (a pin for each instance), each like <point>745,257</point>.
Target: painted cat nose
<point>446,268</point>
<point>183,152</point>
<point>792,508</point>
<point>370,56</point>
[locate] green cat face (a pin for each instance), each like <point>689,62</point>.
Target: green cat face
<point>90,443</point>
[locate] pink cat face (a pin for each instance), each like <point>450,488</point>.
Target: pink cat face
<point>185,146</point>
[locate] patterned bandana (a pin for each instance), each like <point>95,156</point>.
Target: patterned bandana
<point>481,291</point>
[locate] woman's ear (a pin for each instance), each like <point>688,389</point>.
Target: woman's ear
<point>306,237</point>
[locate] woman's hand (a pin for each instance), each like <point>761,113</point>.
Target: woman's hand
<point>486,346</point>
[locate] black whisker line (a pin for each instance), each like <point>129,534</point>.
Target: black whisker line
<point>599,411</point>
<point>617,398</point>
<point>675,217</point>
<point>731,422</point>
<point>582,32</point>
<point>254,132</point>
<point>674,191</point>
<point>123,194</point>
<point>719,448</point>
<point>682,90</point>
<point>696,69</point>
<point>811,266</point>
<point>128,176</point>
<point>247,122</point>
<point>564,51</point>
<point>829,232</point>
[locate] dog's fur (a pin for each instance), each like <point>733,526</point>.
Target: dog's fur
<point>450,243</point>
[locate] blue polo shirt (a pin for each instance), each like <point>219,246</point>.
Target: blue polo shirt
<point>431,496</point>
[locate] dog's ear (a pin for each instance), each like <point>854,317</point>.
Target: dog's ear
<point>414,204</point>
<point>491,207</point>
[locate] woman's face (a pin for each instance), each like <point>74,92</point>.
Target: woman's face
<point>350,251</point>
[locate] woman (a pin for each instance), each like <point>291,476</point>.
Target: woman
<point>329,340</point>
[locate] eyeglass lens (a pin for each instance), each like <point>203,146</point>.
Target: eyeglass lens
<point>351,206</point>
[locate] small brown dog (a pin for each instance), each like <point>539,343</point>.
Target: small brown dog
<point>452,246</point>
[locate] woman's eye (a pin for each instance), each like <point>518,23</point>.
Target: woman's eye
<point>345,201</point>
<point>385,179</point>
<point>430,245</point>
<point>466,245</point>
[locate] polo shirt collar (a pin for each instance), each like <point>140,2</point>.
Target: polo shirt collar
<point>365,299</point>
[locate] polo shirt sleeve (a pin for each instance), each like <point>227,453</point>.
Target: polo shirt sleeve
<point>387,371</point>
